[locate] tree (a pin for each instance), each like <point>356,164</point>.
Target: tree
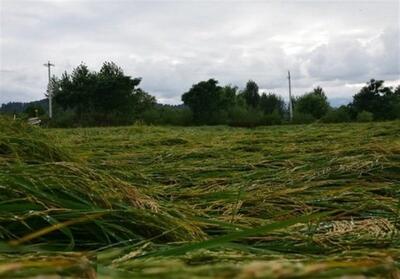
<point>250,94</point>
<point>209,102</point>
<point>117,95</point>
<point>378,99</point>
<point>270,103</point>
<point>19,107</point>
<point>229,94</point>
<point>107,97</point>
<point>397,90</point>
<point>76,91</point>
<point>337,115</point>
<point>365,116</point>
<point>314,103</point>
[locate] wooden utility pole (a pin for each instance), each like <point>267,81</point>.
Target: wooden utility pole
<point>49,93</point>
<point>290,99</point>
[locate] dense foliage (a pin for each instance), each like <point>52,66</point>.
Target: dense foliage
<point>380,100</point>
<point>314,103</point>
<point>251,94</point>
<point>214,104</point>
<point>109,98</point>
<point>209,102</point>
<point>21,107</point>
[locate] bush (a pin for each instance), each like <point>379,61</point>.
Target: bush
<point>61,119</point>
<point>273,118</point>
<point>219,117</point>
<point>302,118</point>
<point>177,116</point>
<point>337,115</point>
<point>167,116</point>
<point>365,116</point>
<point>314,103</point>
<point>152,116</point>
<point>245,117</point>
<point>377,99</point>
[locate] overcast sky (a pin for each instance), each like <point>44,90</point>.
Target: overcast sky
<point>338,45</point>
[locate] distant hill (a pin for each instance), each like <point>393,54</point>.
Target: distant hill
<point>19,107</point>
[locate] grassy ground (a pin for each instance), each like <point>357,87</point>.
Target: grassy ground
<point>305,201</point>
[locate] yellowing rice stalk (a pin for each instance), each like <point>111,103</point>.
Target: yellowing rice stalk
<point>305,201</point>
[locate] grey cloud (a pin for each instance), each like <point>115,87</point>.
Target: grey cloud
<point>348,59</point>
<point>173,44</point>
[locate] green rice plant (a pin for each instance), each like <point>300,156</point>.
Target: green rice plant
<point>200,202</point>
<point>20,142</point>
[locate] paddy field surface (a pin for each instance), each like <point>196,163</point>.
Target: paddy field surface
<point>293,201</point>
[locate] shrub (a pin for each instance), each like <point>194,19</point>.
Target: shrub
<point>314,103</point>
<point>365,116</point>
<point>245,117</point>
<point>152,116</point>
<point>273,118</point>
<point>167,116</point>
<point>337,115</point>
<point>62,118</point>
<point>302,118</point>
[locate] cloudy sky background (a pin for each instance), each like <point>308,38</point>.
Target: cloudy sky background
<point>338,45</point>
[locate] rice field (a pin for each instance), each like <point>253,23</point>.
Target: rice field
<point>301,201</point>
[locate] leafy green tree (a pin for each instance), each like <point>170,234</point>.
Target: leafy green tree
<point>337,115</point>
<point>365,116</point>
<point>397,90</point>
<point>76,90</point>
<point>274,118</point>
<point>251,95</point>
<point>270,103</point>
<point>229,94</point>
<point>395,107</point>
<point>314,103</point>
<point>116,93</point>
<point>107,97</point>
<point>378,99</point>
<point>19,107</point>
<point>245,116</point>
<point>209,102</point>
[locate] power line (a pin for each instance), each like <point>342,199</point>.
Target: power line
<point>49,92</point>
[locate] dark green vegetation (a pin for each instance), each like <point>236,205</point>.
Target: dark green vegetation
<point>20,108</point>
<point>109,97</point>
<point>315,201</point>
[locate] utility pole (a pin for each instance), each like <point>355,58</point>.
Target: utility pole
<point>49,93</point>
<point>290,99</point>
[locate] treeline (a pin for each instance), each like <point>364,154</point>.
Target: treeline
<point>29,109</point>
<point>109,97</point>
<point>212,104</point>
